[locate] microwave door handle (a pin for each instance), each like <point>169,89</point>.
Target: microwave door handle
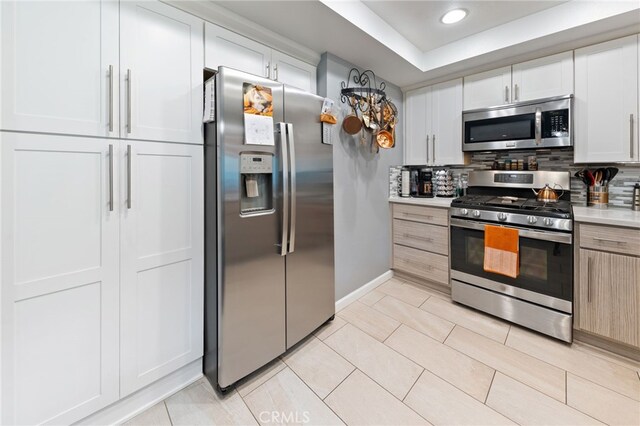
<point>292,171</point>
<point>538,128</point>
<point>282,131</point>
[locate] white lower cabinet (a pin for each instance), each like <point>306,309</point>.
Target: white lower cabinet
<point>96,299</point>
<point>162,255</point>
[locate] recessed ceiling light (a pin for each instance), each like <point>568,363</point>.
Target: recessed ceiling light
<point>453,16</point>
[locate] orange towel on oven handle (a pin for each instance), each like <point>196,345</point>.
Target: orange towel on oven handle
<point>502,250</point>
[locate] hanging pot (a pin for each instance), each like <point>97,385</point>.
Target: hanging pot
<point>352,123</point>
<point>384,139</point>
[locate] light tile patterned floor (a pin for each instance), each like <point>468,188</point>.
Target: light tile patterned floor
<point>405,355</point>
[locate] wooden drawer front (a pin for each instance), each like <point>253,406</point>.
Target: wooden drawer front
<point>618,240</point>
<point>422,236</point>
<point>432,215</point>
<point>431,266</point>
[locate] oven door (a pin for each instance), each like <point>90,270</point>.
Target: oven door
<point>546,264</point>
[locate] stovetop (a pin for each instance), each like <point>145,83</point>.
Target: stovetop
<point>531,206</point>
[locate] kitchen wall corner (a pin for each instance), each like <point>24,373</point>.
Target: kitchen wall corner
<point>361,182</point>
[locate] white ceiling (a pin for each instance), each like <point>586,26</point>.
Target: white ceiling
<point>419,21</point>
<point>405,44</point>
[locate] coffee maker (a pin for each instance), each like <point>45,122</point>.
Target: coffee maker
<point>425,183</point>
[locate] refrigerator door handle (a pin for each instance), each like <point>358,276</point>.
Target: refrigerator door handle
<point>292,170</point>
<point>282,130</point>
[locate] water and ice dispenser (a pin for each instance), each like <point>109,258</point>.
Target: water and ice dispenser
<point>256,171</point>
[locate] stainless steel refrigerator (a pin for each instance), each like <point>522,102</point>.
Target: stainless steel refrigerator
<point>269,230</point>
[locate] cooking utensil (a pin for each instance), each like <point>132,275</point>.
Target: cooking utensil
<point>613,171</point>
<point>599,176</point>
<point>384,139</point>
<point>589,176</point>
<point>352,123</point>
<point>580,175</point>
<point>547,194</point>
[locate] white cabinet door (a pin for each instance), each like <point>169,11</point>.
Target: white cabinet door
<point>162,252</point>
<point>446,111</point>
<point>161,50</point>
<point>59,278</point>
<point>543,78</point>
<point>224,48</point>
<point>417,126</point>
<point>293,72</point>
<point>56,58</point>
<point>487,89</point>
<point>606,102</point>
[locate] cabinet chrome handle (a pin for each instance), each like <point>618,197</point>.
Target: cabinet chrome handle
<point>128,176</point>
<point>506,93</point>
<point>631,136</point>
<point>268,67</point>
<point>609,240</point>
<point>275,72</point>
<point>427,149</point>
<point>110,177</point>
<point>433,148</point>
<point>538,128</point>
<point>418,237</point>
<point>589,261</point>
<point>128,101</point>
<point>516,93</point>
<point>110,98</point>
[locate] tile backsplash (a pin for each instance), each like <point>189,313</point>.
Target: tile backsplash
<point>620,189</point>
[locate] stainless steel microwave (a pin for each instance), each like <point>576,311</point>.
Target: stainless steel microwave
<point>541,123</point>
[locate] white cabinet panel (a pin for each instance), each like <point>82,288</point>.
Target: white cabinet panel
<point>228,49</point>
<point>59,289</point>
<point>543,78</point>
<point>606,102</point>
<point>446,111</point>
<point>416,126</point>
<point>487,89</point>
<point>162,262</point>
<point>293,72</point>
<point>161,73</point>
<point>56,58</point>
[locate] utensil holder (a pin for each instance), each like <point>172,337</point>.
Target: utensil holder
<point>598,197</point>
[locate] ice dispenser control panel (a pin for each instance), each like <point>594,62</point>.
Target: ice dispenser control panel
<point>256,163</point>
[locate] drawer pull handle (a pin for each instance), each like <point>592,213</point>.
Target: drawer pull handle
<point>609,240</point>
<point>417,215</point>
<point>418,237</point>
<point>420,264</point>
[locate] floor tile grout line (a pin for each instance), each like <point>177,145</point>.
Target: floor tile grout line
<point>247,405</point>
<point>413,385</point>
<point>507,336</point>
<point>603,387</point>
<point>490,385</point>
<point>166,409</point>
<point>337,316</point>
<point>262,384</point>
<point>342,381</point>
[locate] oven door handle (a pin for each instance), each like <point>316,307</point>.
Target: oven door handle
<point>557,237</point>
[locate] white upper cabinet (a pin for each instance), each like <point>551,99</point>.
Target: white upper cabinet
<point>60,283</point>
<point>487,89</point>
<point>446,119</point>
<point>226,48</point>
<point>540,78</point>
<point>293,72</point>
<point>434,125</point>
<point>56,61</point>
<point>543,78</point>
<point>417,134</point>
<point>161,73</point>
<point>606,102</point>
<point>162,260</point>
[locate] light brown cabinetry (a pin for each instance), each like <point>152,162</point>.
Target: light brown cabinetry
<point>608,284</point>
<point>421,243</point>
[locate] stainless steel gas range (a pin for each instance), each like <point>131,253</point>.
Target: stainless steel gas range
<point>541,296</point>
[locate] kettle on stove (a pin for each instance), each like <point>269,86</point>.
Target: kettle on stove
<point>548,194</point>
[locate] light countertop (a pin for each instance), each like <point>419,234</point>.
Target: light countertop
<point>431,202</point>
<point>611,216</point>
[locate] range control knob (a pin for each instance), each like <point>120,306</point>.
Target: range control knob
<point>476,213</point>
<point>502,216</point>
<point>464,212</point>
<point>532,219</point>
<point>548,221</point>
